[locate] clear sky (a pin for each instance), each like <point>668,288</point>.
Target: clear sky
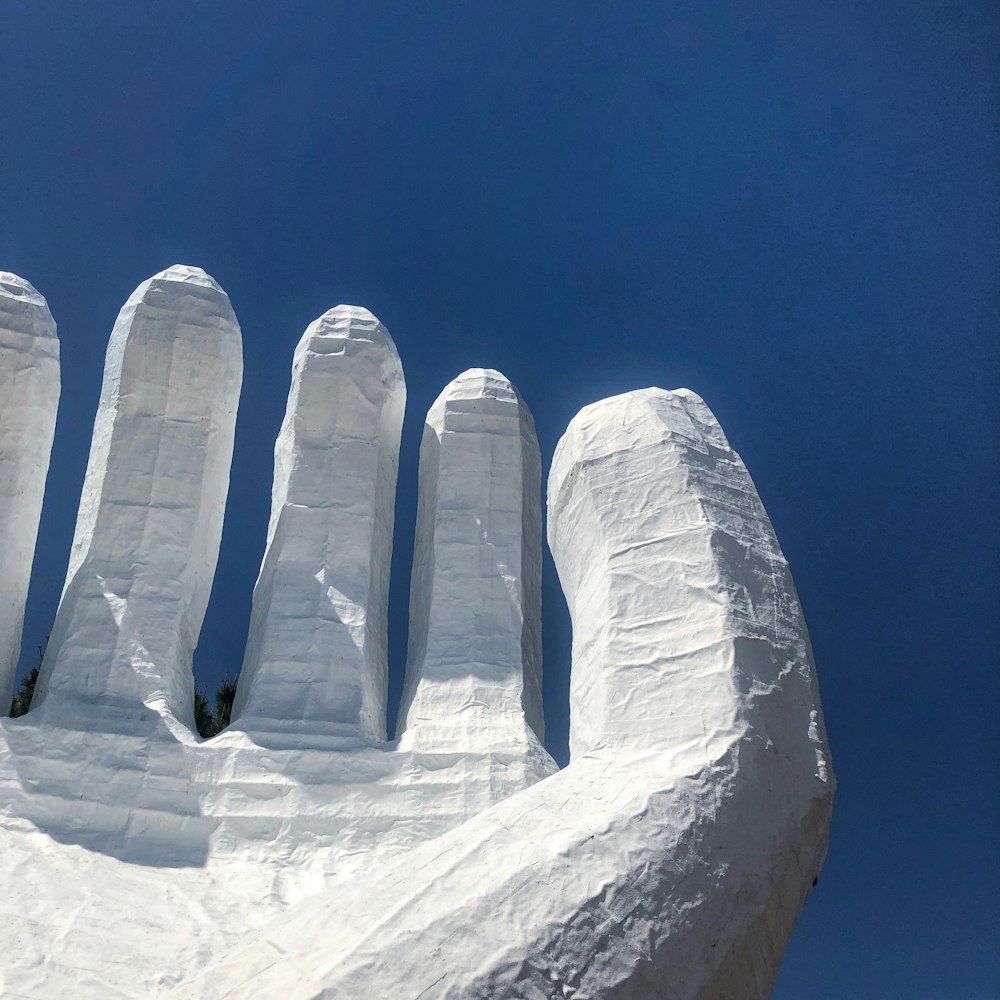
<point>790,208</point>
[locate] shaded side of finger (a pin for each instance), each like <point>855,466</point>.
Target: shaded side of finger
<point>29,395</point>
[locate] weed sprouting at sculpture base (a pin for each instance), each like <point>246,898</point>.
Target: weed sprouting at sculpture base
<point>299,854</point>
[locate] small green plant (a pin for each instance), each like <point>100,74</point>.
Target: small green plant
<point>26,689</point>
<point>23,695</point>
<point>204,719</point>
<point>211,720</point>
<point>224,702</point>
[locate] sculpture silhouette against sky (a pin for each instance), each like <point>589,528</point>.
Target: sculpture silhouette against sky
<point>299,854</point>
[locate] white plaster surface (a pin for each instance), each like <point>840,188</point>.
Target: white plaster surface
<point>669,860</point>
<point>316,658</point>
<point>150,519</point>
<point>474,664</point>
<point>29,395</point>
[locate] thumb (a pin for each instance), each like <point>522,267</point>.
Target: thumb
<point>685,616</point>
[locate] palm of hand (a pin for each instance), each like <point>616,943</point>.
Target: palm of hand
<point>299,854</point>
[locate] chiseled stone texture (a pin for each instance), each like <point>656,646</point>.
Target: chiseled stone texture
<point>316,657</point>
<point>474,668</point>
<point>29,395</point>
<point>150,519</point>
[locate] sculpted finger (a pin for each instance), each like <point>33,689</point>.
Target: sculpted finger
<point>473,673</point>
<point>684,611</point>
<point>29,395</point>
<point>150,520</point>
<point>316,657</point>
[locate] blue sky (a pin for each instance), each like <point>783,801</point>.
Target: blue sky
<point>790,208</point>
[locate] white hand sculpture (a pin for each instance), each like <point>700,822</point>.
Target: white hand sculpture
<point>299,854</point>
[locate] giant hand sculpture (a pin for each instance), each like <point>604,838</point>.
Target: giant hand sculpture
<point>301,855</point>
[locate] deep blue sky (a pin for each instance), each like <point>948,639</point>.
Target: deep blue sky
<point>790,208</point>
